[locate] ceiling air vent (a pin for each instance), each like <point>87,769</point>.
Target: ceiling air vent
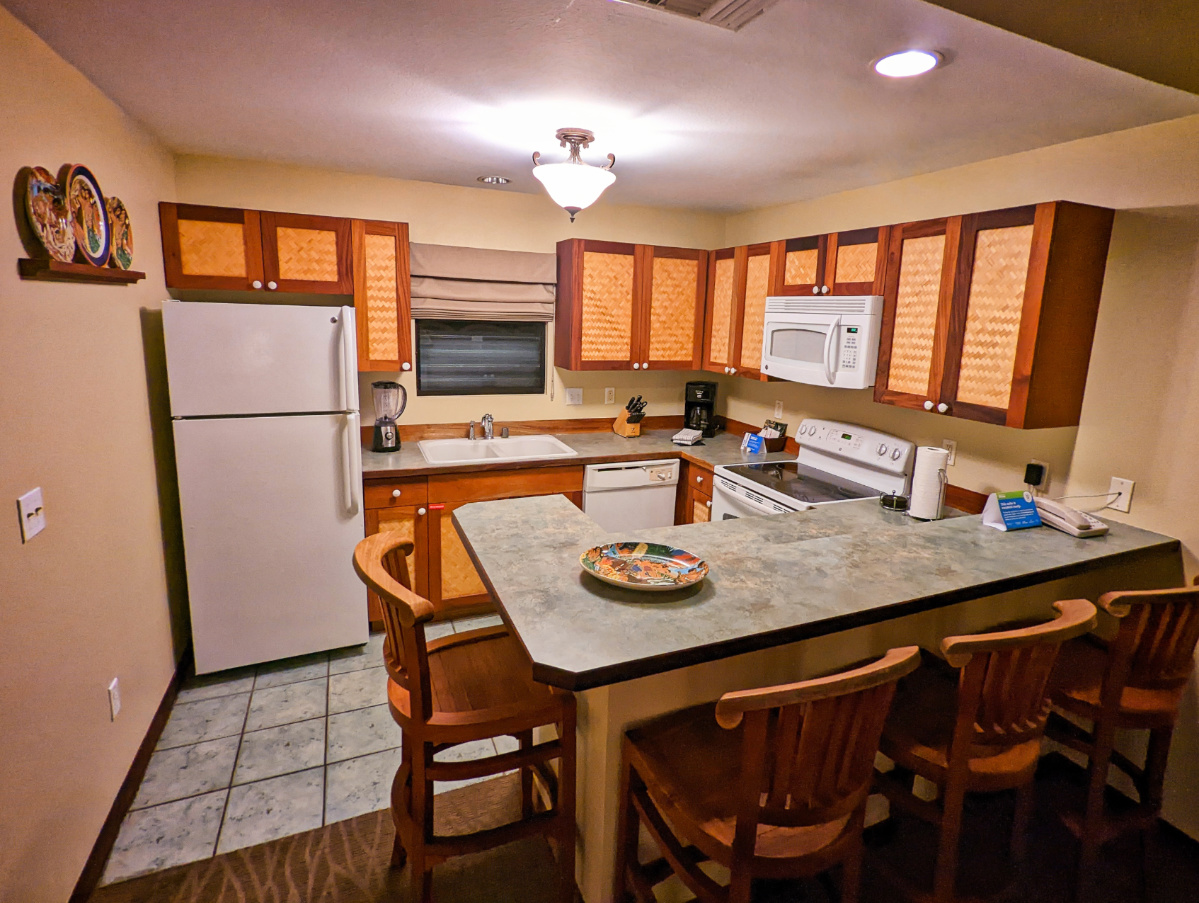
<point>730,14</point>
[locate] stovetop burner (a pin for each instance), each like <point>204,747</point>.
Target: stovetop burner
<point>805,484</point>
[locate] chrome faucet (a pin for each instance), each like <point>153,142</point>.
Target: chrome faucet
<point>471,434</point>
<point>488,431</point>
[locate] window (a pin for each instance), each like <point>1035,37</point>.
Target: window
<point>479,357</point>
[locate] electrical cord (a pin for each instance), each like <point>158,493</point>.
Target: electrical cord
<point>1094,495</point>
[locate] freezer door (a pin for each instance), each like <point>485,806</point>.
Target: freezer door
<point>272,510</point>
<point>227,359</point>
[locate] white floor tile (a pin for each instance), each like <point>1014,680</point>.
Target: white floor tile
<point>357,690</point>
<point>276,807</point>
<point>208,719</point>
<point>357,658</point>
<point>174,774</point>
<point>360,785</point>
<point>280,750</point>
<point>360,732</point>
<point>273,706</point>
<point>164,836</point>
<point>292,670</point>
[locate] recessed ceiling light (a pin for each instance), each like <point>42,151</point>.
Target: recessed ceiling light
<point>907,63</point>
<point>494,180</point>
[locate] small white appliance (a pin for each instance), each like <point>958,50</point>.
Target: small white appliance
<point>268,449</point>
<point>633,495</point>
<point>838,462</point>
<point>824,341</point>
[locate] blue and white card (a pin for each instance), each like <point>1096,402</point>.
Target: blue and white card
<point>1011,511</point>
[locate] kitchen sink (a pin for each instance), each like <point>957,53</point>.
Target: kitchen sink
<point>515,448</point>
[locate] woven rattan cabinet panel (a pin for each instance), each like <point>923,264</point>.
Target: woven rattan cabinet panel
<point>673,307</point>
<point>381,295</point>
<point>459,578</point>
<point>801,266</point>
<point>607,328</point>
<point>995,304</point>
<point>720,314</point>
<point>410,523</point>
<point>856,263</point>
<point>303,253</point>
<point>307,255</point>
<point>212,249</point>
<point>920,268</point>
<point>757,287</point>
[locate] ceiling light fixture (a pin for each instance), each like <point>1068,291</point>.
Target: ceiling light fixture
<point>493,180</point>
<point>907,63</point>
<point>574,185</point>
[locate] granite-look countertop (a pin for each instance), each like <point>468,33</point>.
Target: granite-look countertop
<point>592,448</point>
<point>773,580</point>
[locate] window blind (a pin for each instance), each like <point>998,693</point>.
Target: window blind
<point>454,283</point>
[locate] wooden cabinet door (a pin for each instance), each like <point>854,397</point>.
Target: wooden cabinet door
<point>855,262</point>
<point>595,319</point>
<point>701,507</point>
<point>693,503</point>
<point>303,253</point>
<point>411,522</point>
<point>455,582</point>
<point>918,302</point>
<point>720,311</point>
<point>752,288</point>
<point>211,247</point>
<point>672,286</point>
<point>382,302</point>
<point>801,268</point>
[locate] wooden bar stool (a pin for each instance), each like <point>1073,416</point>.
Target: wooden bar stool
<point>1134,682</point>
<point>975,726</point>
<point>468,686</point>
<point>779,793</point>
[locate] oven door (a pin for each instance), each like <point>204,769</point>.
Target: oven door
<point>730,501</point>
<point>802,349</point>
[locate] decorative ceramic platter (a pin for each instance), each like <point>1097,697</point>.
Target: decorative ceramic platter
<point>643,566</point>
<point>89,218</point>
<point>122,233</point>
<point>46,204</point>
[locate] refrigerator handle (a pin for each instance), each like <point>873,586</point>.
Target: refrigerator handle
<point>351,463</point>
<point>349,360</point>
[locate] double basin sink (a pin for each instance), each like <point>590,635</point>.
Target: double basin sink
<point>514,448</point>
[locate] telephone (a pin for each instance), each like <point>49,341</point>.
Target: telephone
<point>1068,520</point>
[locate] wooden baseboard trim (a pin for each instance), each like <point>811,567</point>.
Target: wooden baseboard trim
<point>93,869</point>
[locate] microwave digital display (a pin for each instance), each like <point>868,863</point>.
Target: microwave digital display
<point>846,437</point>
<point>852,330</point>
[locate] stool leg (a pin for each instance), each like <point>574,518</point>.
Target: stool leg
<point>422,827</point>
<point>1098,764</point>
<point>525,740</point>
<point>1025,799</point>
<point>1155,767</point>
<point>946,869</point>
<point>627,828</point>
<point>851,872</point>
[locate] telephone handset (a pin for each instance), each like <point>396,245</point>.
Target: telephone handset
<point>1069,520</point>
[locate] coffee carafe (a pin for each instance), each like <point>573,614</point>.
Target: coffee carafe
<point>390,400</point>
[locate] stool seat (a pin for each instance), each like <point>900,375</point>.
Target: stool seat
<point>1077,686</point>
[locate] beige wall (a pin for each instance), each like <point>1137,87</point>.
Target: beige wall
<point>86,600</point>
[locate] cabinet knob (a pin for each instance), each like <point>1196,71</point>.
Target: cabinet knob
<point>699,479</point>
<point>636,366</point>
<point>645,366</point>
<point>272,285</point>
<point>815,290</point>
<point>709,504</point>
<point>732,369</point>
<point>420,511</point>
<point>405,366</point>
<point>928,406</point>
<point>942,407</point>
<point>824,289</point>
<point>257,283</point>
<point>395,493</point>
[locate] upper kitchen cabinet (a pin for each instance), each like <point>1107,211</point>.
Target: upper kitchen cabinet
<point>991,316</point>
<point>841,263</point>
<point>249,250</point>
<point>382,302</point>
<point>628,307</point>
<point>737,290</point>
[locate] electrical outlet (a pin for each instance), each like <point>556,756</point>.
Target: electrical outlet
<point>114,698</point>
<point>778,409</point>
<point>951,446</point>
<point>574,396</point>
<point>1123,502</point>
<point>609,395</point>
<point>32,513</point>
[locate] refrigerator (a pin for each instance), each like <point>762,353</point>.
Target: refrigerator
<point>264,408</point>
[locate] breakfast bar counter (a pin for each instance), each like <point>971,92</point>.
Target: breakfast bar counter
<point>787,597</point>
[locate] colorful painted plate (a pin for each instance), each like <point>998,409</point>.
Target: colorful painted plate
<point>46,204</point>
<point>643,566</point>
<point>122,234</point>
<point>89,218</point>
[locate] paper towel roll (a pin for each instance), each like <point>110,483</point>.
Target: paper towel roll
<point>928,482</point>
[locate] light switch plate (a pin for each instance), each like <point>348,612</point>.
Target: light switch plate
<point>32,513</point>
<point>574,396</point>
<point>114,698</point>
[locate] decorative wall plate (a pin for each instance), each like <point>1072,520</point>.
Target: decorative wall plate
<point>122,234</point>
<point>49,215</point>
<point>645,566</point>
<point>89,218</point>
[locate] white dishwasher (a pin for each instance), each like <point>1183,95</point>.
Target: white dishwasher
<point>633,495</point>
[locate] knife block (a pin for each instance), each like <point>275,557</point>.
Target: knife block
<point>622,426</point>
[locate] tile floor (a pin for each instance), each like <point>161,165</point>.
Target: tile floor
<point>259,753</point>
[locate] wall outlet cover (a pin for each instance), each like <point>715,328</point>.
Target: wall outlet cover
<point>574,396</point>
<point>1122,502</point>
<point>609,395</point>
<point>951,446</point>
<point>778,409</point>
<point>32,514</point>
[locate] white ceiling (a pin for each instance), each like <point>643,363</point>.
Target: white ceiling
<point>698,117</point>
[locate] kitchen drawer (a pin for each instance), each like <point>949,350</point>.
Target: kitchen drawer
<point>382,494</point>
<point>474,487</point>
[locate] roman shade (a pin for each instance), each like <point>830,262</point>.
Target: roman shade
<point>452,283</point>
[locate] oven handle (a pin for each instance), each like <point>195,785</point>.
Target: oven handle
<point>833,331</point>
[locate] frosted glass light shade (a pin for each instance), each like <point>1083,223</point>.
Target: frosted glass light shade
<point>573,186</point>
<point>907,63</point>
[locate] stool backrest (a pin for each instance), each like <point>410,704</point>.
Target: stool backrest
<point>1002,698</point>
<point>1159,629</point>
<point>381,561</point>
<point>808,748</point>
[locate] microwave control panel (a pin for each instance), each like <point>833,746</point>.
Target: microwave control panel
<point>849,348</point>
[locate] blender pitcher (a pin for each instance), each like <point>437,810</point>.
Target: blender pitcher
<point>390,400</point>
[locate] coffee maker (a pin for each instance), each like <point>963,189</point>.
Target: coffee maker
<point>699,411</point>
<point>390,400</point>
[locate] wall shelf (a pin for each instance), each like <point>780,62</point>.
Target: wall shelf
<point>57,271</point>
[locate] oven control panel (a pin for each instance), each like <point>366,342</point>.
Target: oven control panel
<point>848,441</point>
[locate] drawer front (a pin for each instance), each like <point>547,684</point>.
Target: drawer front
<point>382,494</point>
<point>474,487</point>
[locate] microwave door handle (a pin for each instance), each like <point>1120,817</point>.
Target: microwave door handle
<point>833,331</point>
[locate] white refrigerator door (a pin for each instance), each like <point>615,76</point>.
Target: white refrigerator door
<point>225,359</point>
<point>272,510</point>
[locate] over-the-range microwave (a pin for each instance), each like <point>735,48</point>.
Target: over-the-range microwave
<point>825,341</point>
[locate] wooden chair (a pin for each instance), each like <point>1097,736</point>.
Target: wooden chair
<point>975,725</point>
<point>1134,682</point>
<point>467,686</point>
<point>779,793</point>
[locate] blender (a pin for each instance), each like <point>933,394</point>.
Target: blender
<point>390,400</point>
